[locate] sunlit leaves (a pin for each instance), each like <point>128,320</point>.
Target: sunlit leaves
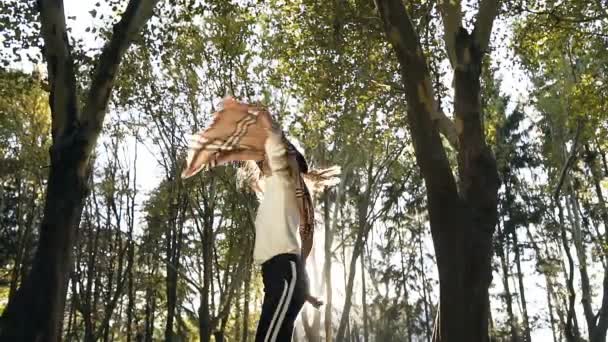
<point>24,119</point>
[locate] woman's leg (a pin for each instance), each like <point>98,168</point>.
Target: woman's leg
<point>286,330</point>
<point>283,299</point>
<point>275,299</point>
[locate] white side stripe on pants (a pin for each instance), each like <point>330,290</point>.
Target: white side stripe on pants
<point>276,313</point>
<point>288,301</point>
<point>282,307</point>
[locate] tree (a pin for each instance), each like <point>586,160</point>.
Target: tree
<point>35,313</point>
<point>156,257</point>
<point>462,217</point>
<point>24,140</point>
<point>568,70</point>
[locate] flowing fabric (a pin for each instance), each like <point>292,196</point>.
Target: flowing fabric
<point>238,133</point>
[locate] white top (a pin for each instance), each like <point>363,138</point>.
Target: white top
<point>278,216</point>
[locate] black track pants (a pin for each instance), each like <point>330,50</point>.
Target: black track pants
<point>284,293</point>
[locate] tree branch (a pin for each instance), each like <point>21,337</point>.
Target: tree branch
<point>568,163</point>
<point>136,15</point>
<point>446,126</point>
<point>488,10</point>
<point>60,66</point>
<point>451,15</point>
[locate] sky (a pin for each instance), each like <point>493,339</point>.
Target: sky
<point>514,83</point>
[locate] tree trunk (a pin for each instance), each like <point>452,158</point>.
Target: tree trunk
<point>327,271</point>
<point>571,330</point>
<point>597,331</point>
<point>358,248</point>
<point>522,288</point>
<point>35,313</point>
<point>173,245</point>
<point>171,284</point>
<point>205,326</point>
<point>462,220</point>
<point>131,253</point>
<point>237,325</point>
<point>71,321</point>
<point>572,208</point>
<point>330,226</point>
<point>362,232</point>
<point>247,291</point>
<point>408,311</point>
<point>425,295</point>
<point>550,308</point>
<point>548,282</point>
<point>502,252</point>
<point>150,315</point>
<point>312,330</point>
<point>363,301</point>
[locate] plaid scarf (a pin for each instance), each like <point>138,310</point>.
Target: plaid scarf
<point>238,133</point>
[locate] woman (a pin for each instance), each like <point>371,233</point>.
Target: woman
<point>277,172</point>
<point>277,247</point>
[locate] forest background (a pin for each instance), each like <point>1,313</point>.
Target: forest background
<point>471,135</point>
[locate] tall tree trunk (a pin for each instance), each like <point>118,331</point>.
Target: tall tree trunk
<point>150,315</point>
<point>171,292</point>
<point>205,326</point>
<point>312,330</point>
<point>330,227</point>
<point>522,288</point>
<point>425,295</point>
<point>173,245</point>
<point>404,272</point>
<point>581,254</point>
<point>71,321</point>
<point>462,219</point>
<point>571,330</point>
<point>350,283</point>
<point>247,291</point>
<point>363,301</point>
<point>35,313</point>
<point>237,325</point>
<point>502,252</point>
<point>597,331</point>
<point>131,252</point>
<point>362,232</point>
<point>550,308</point>
<point>548,282</point>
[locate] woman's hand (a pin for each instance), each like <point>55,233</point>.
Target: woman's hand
<point>308,297</point>
<point>314,301</point>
